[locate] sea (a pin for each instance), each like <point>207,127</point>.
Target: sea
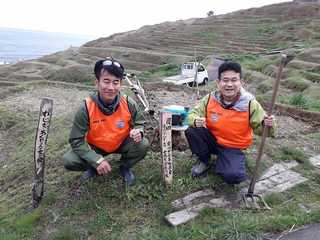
<point>19,44</point>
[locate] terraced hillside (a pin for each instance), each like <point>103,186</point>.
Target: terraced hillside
<point>248,31</point>
<point>253,30</point>
<point>102,208</point>
<point>300,86</point>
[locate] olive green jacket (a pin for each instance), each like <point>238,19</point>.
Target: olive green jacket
<point>80,127</point>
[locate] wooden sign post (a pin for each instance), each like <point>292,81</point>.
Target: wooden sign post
<point>46,107</point>
<point>166,147</point>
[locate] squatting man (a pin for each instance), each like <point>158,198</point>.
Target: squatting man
<point>106,122</point>
<point>223,124</point>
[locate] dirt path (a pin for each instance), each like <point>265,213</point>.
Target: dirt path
<point>2,155</point>
<point>308,232</point>
<point>161,98</point>
<point>65,100</point>
<point>213,68</point>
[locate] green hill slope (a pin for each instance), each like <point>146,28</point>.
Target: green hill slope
<point>102,209</point>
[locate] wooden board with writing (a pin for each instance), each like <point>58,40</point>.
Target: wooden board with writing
<point>166,146</point>
<point>45,114</point>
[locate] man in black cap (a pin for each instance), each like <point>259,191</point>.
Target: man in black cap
<point>106,122</point>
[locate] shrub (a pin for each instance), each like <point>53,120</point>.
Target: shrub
<point>297,83</point>
<point>270,70</point>
<point>162,71</point>
<point>258,65</point>
<point>264,87</point>
<point>314,77</point>
<point>73,73</point>
<point>298,100</point>
<point>292,154</point>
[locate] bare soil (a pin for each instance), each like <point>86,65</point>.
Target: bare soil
<point>2,153</point>
<point>66,100</point>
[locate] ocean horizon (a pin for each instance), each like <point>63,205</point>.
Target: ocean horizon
<point>19,44</point>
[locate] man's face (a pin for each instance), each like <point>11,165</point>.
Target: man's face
<point>108,86</point>
<point>230,84</point>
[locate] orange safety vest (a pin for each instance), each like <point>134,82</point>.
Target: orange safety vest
<point>230,127</point>
<point>107,132</point>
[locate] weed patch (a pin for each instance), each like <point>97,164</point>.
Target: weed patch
<point>162,71</point>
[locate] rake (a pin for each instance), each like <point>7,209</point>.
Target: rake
<point>252,200</point>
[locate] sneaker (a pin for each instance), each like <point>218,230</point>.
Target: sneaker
<point>127,175</point>
<point>199,169</point>
<point>88,174</point>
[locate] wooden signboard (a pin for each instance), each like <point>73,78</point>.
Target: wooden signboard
<point>46,107</point>
<point>166,146</point>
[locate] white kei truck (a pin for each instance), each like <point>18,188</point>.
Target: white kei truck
<point>189,76</point>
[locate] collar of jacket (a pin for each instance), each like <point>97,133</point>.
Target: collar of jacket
<point>241,105</point>
<point>106,109</point>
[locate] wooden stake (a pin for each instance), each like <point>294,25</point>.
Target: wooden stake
<point>166,147</point>
<point>46,107</point>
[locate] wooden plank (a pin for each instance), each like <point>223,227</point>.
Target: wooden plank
<point>185,215</point>
<point>279,182</point>
<point>277,169</point>
<point>189,199</point>
<point>45,114</point>
<point>315,161</point>
<point>166,147</point>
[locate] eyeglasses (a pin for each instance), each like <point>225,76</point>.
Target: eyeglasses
<point>109,62</point>
<point>230,79</point>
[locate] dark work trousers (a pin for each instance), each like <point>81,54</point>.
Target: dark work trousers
<point>131,153</point>
<point>230,163</point>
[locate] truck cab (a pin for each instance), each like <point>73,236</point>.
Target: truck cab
<point>189,74</point>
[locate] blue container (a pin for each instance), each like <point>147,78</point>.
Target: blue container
<point>179,114</point>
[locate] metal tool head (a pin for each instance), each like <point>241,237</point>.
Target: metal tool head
<point>130,75</point>
<point>286,58</point>
<point>254,202</point>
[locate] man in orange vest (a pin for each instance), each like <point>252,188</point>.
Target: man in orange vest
<point>106,122</point>
<point>223,124</point>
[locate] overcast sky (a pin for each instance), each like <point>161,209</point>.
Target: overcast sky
<point>101,18</point>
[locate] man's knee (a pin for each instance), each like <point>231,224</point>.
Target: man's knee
<point>67,161</point>
<point>137,148</point>
<point>143,146</point>
<point>71,161</point>
<point>191,132</point>
<point>233,177</point>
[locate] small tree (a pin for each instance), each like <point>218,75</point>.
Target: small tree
<point>210,13</point>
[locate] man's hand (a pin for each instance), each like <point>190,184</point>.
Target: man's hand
<point>104,168</point>
<point>268,121</point>
<point>200,122</point>
<point>136,135</point>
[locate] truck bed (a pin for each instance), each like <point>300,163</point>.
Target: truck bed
<point>178,79</point>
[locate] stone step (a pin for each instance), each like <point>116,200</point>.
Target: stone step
<point>303,65</point>
<point>315,161</point>
<point>185,215</point>
<point>278,178</point>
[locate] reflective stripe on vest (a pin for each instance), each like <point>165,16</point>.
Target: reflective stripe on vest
<point>108,132</point>
<point>230,127</point>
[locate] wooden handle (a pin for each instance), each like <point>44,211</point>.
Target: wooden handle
<point>285,59</point>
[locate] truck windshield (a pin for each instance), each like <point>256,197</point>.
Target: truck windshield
<point>188,66</point>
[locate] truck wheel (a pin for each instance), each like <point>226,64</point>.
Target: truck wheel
<point>192,84</point>
<point>205,81</point>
